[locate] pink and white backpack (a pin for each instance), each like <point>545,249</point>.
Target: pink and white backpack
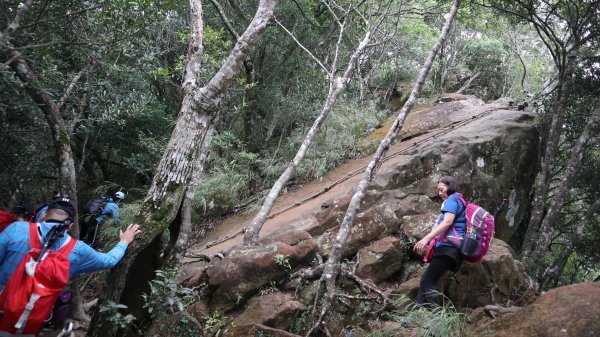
<point>479,231</point>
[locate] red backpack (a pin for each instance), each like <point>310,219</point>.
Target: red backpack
<point>479,231</point>
<point>32,289</point>
<point>6,218</point>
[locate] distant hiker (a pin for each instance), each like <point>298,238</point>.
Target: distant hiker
<point>28,276</point>
<point>442,242</point>
<point>39,213</point>
<point>96,212</point>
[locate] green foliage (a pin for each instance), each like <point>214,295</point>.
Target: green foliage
<point>215,323</point>
<point>301,322</point>
<point>114,317</point>
<point>166,296</point>
<point>431,321</point>
<point>283,262</point>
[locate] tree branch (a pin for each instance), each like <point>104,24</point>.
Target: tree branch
<point>225,19</point>
<point>325,70</point>
<point>61,103</point>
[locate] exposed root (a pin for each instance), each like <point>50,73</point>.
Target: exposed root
<point>496,309</point>
<point>364,285</point>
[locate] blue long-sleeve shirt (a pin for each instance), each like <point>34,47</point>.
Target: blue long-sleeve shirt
<point>110,209</point>
<point>14,244</point>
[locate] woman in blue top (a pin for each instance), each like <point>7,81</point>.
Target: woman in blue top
<point>446,255</point>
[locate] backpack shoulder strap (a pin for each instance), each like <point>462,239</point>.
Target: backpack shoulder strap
<point>67,247</point>
<point>462,199</point>
<point>34,237</point>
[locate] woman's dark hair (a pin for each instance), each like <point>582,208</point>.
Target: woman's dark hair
<point>450,183</point>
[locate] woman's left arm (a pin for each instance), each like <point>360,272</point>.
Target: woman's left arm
<point>435,231</point>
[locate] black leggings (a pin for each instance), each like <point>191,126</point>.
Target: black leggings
<point>437,267</point>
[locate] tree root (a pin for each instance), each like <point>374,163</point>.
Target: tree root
<point>491,309</point>
<point>365,285</point>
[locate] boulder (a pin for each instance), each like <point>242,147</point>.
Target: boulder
<point>566,311</point>
<point>369,226</point>
<point>410,287</point>
<point>498,278</point>
<point>275,310</point>
<point>243,271</point>
<point>192,274</point>
<point>451,110</point>
<point>379,260</point>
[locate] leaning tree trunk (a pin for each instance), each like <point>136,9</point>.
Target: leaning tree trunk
<point>332,266</point>
<point>189,141</point>
<point>543,180</point>
<point>337,86</point>
<point>547,227</point>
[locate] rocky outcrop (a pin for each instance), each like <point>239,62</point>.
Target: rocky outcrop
<point>572,311</point>
<point>243,271</point>
<point>491,151</point>
<point>498,278</point>
<point>380,260</point>
<point>275,310</point>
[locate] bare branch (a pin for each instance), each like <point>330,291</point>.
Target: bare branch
<point>336,87</point>
<point>225,19</point>
<point>61,103</point>
<point>325,70</point>
<point>15,56</point>
<point>15,23</point>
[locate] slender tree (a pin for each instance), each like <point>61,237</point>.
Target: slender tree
<point>565,27</point>
<point>52,110</point>
<point>548,226</point>
<point>337,84</point>
<point>187,147</point>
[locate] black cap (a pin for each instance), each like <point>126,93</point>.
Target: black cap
<point>65,204</point>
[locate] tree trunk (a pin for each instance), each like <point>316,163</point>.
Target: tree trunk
<point>544,177</point>
<point>185,153</point>
<point>468,84</point>
<point>337,86</point>
<point>547,227</point>
<point>332,266</point>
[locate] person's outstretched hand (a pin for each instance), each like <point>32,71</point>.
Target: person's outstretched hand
<point>129,234</point>
<point>421,246</point>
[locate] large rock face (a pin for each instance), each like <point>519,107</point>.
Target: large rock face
<point>491,152</point>
<point>572,311</point>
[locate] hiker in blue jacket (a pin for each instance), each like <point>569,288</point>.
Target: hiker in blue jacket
<point>446,234</point>
<point>14,243</point>
<point>89,229</point>
<point>111,209</point>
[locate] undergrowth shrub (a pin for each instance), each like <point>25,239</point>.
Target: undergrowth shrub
<point>234,176</point>
<point>430,321</point>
